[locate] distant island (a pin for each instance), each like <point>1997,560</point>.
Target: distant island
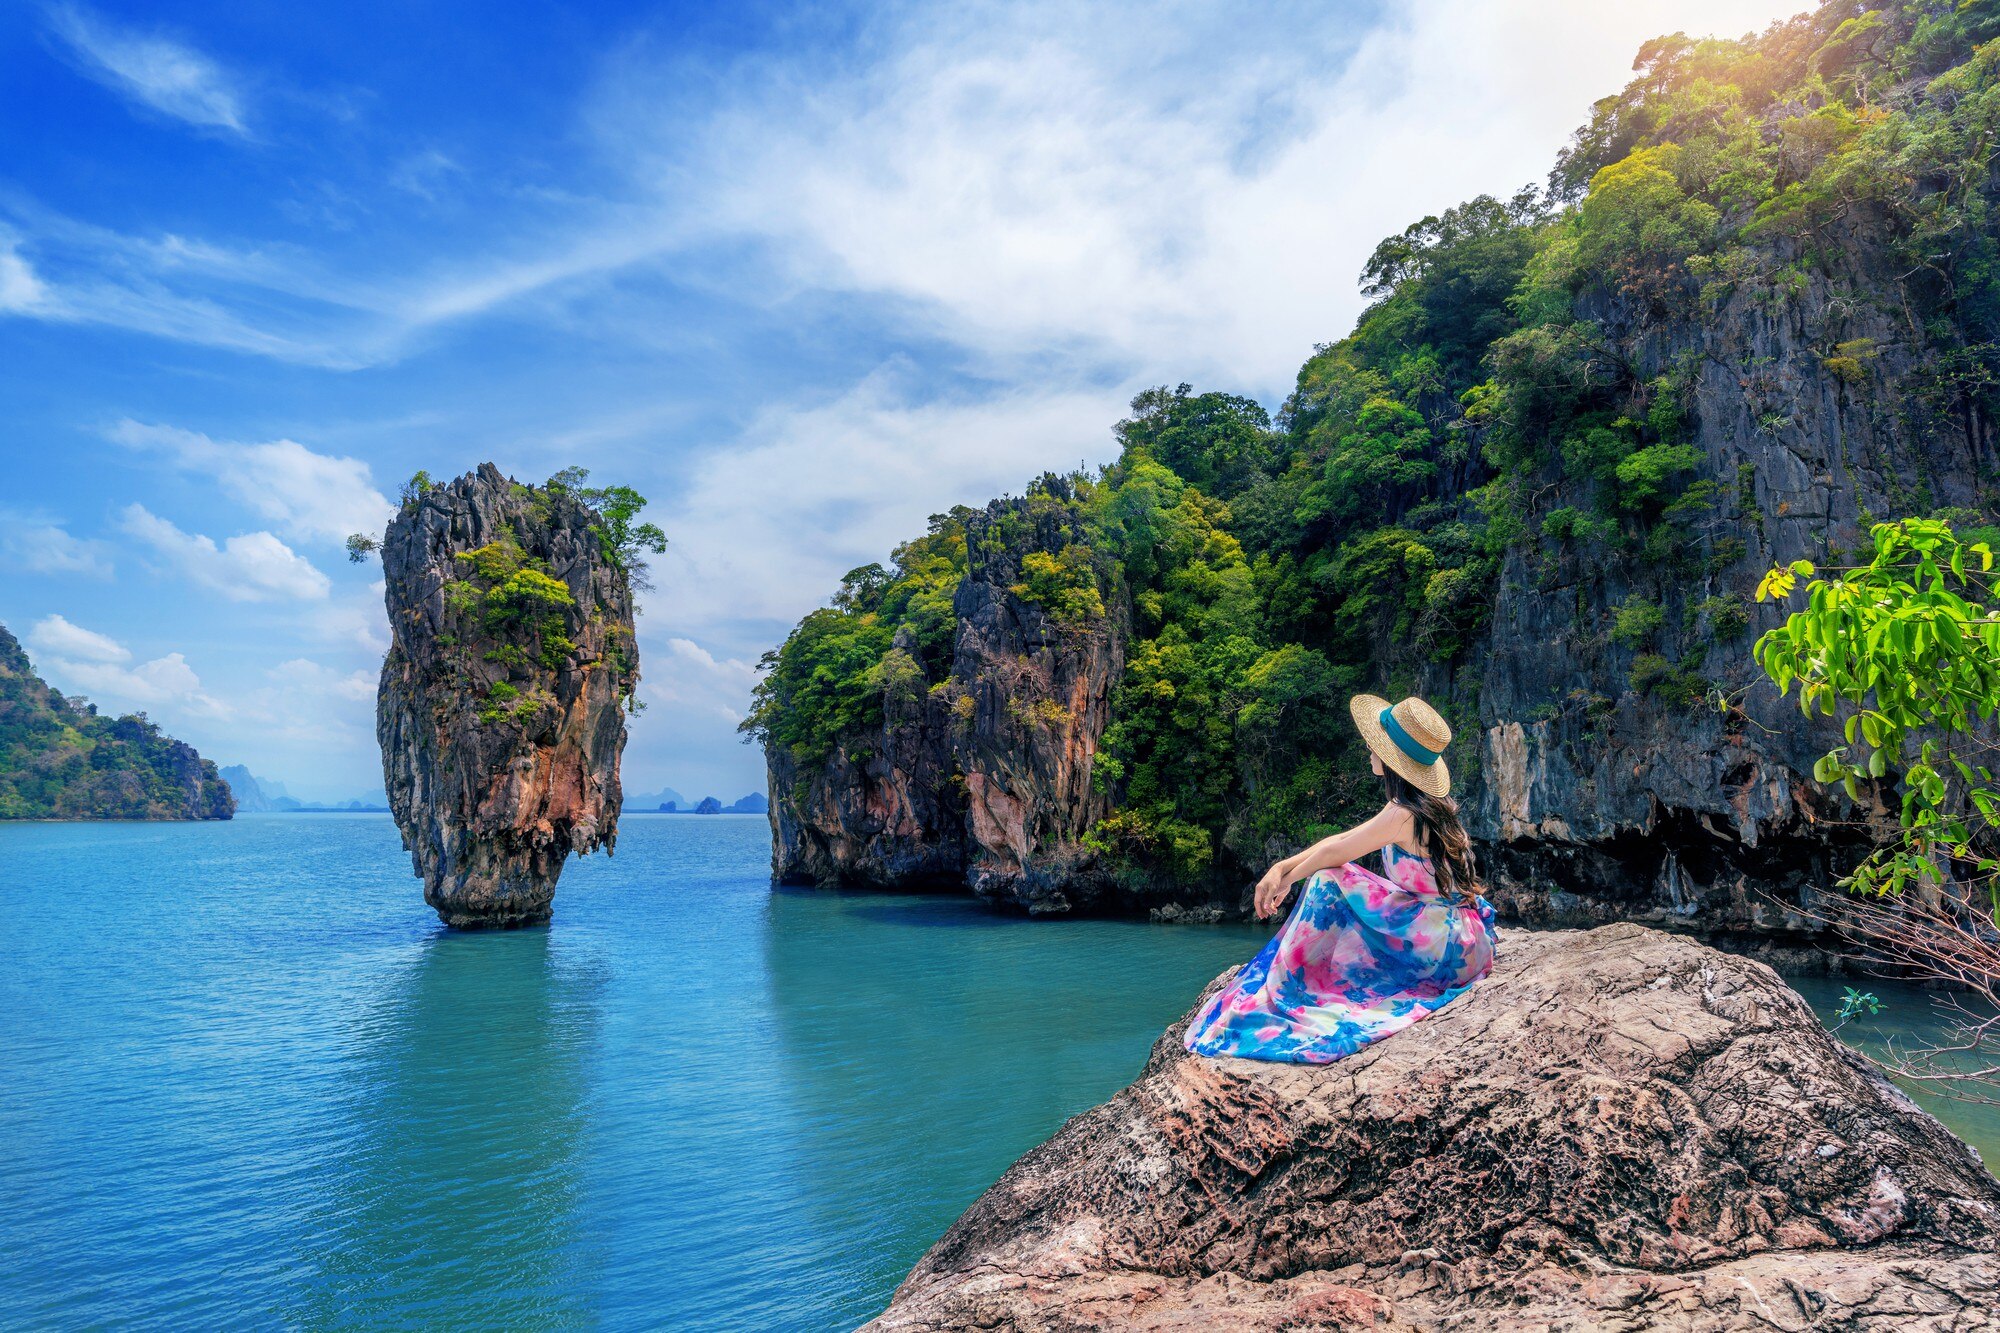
<point>61,759</point>
<point>753,804</point>
<point>263,796</point>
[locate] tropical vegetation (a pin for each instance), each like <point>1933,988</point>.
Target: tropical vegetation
<point>1491,409</point>
<point>61,759</point>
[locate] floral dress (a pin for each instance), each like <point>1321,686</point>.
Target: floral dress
<point>1361,956</point>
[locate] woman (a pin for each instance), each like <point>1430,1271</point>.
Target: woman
<point>1364,955</point>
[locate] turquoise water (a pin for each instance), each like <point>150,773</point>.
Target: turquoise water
<point>250,1082</point>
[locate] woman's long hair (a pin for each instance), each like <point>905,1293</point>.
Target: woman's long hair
<point>1440,836</point>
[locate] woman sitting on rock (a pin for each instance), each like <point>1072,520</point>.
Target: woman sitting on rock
<point>1364,955</point>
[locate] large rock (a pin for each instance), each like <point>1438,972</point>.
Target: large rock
<point>981,779</point>
<point>502,706</point>
<point>1596,800</point>
<point>1616,1130</point>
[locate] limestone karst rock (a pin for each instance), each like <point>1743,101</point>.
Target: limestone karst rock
<point>982,777</point>
<point>1617,1130</point>
<point>502,706</point>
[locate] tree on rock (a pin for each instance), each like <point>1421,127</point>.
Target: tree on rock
<point>512,666</point>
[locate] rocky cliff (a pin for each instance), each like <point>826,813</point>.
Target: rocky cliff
<point>980,776</point>
<point>61,759</point>
<point>501,713</point>
<point>1596,801</point>
<point>1617,1130</point>
<point>1754,313</point>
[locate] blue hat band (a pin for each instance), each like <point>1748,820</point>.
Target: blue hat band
<point>1406,742</point>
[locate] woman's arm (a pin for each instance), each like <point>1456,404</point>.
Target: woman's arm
<point>1392,823</point>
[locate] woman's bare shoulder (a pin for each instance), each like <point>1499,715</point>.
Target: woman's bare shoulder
<point>1396,821</point>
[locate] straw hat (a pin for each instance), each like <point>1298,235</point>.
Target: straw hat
<point>1410,738</point>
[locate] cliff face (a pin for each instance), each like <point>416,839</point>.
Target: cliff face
<point>1615,1130</point>
<point>1596,801</point>
<point>981,778</point>
<point>1538,484</point>
<point>59,759</point>
<point>501,713</point>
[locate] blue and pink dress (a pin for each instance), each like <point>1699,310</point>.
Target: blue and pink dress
<point>1361,956</point>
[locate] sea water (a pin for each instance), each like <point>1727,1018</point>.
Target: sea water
<point>249,1081</point>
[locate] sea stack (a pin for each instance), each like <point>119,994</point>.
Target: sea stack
<point>502,705</point>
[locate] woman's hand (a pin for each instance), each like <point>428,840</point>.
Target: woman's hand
<point>1271,889</point>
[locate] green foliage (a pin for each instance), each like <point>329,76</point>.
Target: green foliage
<point>1215,441</point>
<point>1905,652</point>
<point>825,686</point>
<point>61,759</point>
<point>514,597</point>
<point>1675,684</point>
<point>1064,585</point>
<point>1501,398</point>
<point>622,538</point>
<point>1634,624</point>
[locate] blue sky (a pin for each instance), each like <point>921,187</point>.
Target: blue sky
<point>801,274</point>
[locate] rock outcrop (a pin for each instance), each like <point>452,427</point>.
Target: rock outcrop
<point>1558,544</point>
<point>1595,801</point>
<point>502,706</point>
<point>61,759</point>
<point>1616,1130</point>
<point>981,778</point>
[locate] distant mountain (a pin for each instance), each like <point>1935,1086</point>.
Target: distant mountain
<point>252,796</point>
<point>263,796</point>
<point>60,759</point>
<point>667,801</point>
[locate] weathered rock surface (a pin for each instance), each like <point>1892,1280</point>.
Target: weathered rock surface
<point>1598,801</point>
<point>502,706</point>
<point>1616,1130</point>
<point>981,779</point>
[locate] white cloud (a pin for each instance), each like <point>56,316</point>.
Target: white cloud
<point>766,529</point>
<point>156,71</point>
<point>40,545</point>
<point>1033,177</point>
<point>165,681</point>
<point>351,622</point>
<point>254,567</point>
<point>307,702</point>
<point>59,638</point>
<point>687,677</point>
<point>310,495</point>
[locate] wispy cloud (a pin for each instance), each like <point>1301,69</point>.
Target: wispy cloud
<point>156,71</point>
<point>254,567</point>
<point>683,675</point>
<point>38,544</point>
<point>311,496</point>
<point>21,292</point>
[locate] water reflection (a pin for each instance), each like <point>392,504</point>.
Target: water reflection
<point>927,1042</point>
<point>457,1187</point>
<point>1909,1018</point>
